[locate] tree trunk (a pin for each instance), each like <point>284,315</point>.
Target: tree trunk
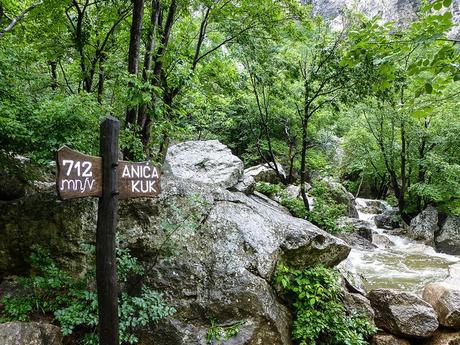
<point>157,73</point>
<point>149,49</point>
<point>54,82</point>
<point>133,54</point>
<point>303,163</point>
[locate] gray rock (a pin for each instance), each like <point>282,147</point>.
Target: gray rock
<point>208,162</point>
<point>389,219</point>
<point>246,185</point>
<point>445,300</point>
<point>29,333</point>
<point>403,314</point>
<point>342,196</point>
<point>354,240</point>
<point>448,238</point>
<point>211,251</point>
<point>357,304</point>
<point>361,227</point>
<point>424,226</point>
<point>388,339</point>
<point>224,268</point>
<point>382,241</point>
<point>293,191</point>
<point>371,206</point>
<point>351,278</point>
<point>264,173</point>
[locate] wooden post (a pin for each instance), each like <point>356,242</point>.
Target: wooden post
<point>106,262</point>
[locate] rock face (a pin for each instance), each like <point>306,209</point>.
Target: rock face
<point>400,11</point>
<point>424,226</point>
<point>403,314</point>
<point>388,339</point>
<point>389,219</point>
<point>342,196</point>
<point>445,300</point>
<point>211,251</point>
<point>208,162</point>
<point>246,185</point>
<point>448,238</point>
<point>263,173</point>
<point>361,227</point>
<point>29,333</point>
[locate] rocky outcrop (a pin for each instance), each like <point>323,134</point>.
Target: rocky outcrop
<point>246,185</point>
<point>210,250</point>
<point>361,227</point>
<point>448,238</point>
<point>342,196</point>
<point>424,226</point>
<point>29,333</point>
<point>356,303</point>
<point>403,314</point>
<point>445,300</point>
<point>208,162</point>
<point>389,219</point>
<point>388,339</point>
<point>265,172</point>
<point>371,206</point>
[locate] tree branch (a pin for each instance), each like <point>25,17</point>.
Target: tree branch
<point>15,20</point>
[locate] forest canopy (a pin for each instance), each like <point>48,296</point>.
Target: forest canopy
<point>370,103</point>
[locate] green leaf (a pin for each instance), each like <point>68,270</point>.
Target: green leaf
<point>428,88</point>
<point>447,3</point>
<point>457,77</point>
<point>437,6</point>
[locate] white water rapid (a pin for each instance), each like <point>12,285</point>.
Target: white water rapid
<point>399,262</point>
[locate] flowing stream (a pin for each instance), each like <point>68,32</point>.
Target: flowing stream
<point>399,262</point>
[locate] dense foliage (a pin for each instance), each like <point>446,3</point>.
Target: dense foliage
<point>320,316</point>
<point>269,79</point>
<point>72,302</point>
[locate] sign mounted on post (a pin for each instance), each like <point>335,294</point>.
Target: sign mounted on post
<point>109,179</point>
<point>137,180</point>
<point>78,175</point>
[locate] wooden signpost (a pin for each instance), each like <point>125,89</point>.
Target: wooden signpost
<point>80,175</point>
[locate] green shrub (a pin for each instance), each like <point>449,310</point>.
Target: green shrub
<point>326,209</point>
<point>268,189</point>
<point>53,292</point>
<point>320,316</point>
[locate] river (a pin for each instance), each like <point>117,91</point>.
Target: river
<point>399,262</point>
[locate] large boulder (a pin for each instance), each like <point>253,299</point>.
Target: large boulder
<point>29,333</point>
<point>445,300</point>
<point>424,226</point>
<point>448,238</point>
<point>211,251</point>
<point>208,162</point>
<point>266,172</point>
<point>403,314</point>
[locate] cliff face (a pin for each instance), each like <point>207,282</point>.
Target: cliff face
<point>400,11</point>
<point>389,10</point>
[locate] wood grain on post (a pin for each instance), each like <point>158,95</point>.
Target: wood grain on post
<point>106,274</point>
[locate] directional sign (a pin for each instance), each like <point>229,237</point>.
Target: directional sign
<point>136,180</point>
<point>78,175</point>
